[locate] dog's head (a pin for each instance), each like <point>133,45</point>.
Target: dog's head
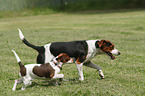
<point>63,58</point>
<point>108,48</point>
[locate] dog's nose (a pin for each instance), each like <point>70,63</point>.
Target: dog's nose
<point>119,53</point>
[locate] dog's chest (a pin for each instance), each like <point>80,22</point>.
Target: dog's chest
<point>92,50</point>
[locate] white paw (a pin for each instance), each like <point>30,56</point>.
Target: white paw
<point>13,89</point>
<point>101,74</point>
<point>81,79</point>
<point>22,88</point>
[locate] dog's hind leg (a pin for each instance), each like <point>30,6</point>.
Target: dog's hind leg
<point>15,84</point>
<point>91,65</point>
<point>40,59</point>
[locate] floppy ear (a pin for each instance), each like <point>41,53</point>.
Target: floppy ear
<point>100,43</point>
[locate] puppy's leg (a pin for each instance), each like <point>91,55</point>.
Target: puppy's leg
<point>26,82</point>
<point>58,76</point>
<point>80,71</point>
<point>15,84</point>
<point>91,65</point>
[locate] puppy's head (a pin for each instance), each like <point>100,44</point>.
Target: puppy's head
<point>63,58</point>
<point>108,48</point>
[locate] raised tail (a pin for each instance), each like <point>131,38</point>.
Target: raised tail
<point>18,59</point>
<point>27,43</point>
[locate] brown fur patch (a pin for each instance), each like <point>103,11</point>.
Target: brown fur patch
<point>45,70</point>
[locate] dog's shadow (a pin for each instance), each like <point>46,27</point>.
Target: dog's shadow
<point>47,83</point>
<point>44,83</point>
<point>34,84</point>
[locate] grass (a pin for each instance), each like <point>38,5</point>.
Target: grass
<point>123,76</point>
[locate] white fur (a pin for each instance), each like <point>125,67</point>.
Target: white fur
<point>80,71</point>
<point>17,57</point>
<point>115,51</point>
<point>21,34</point>
<point>91,49</point>
<point>48,55</point>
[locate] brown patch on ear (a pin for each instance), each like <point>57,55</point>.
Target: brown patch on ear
<point>100,43</point>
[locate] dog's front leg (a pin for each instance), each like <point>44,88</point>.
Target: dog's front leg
<point>15,84</point>
<point>26,81</point>
<point>92,65</point>
<point>80,71</point>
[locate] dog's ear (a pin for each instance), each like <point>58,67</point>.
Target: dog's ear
<point>100,43</point>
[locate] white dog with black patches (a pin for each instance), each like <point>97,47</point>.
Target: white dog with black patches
<point>40,71</point>
<point>81,51</point>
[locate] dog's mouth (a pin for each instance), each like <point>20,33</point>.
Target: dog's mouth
<point>110,55</point>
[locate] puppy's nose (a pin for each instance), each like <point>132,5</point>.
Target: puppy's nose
<point>119,53</point>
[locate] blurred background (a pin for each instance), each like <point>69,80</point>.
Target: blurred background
<point>68,5</point>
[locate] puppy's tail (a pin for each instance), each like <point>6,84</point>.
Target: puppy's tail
<point>18,59</point>
<point>38,48</point>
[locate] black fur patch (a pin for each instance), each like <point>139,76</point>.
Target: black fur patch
<point>72,49</point>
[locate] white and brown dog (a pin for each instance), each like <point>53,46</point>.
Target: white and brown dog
<point>40,71</point>
<point>81,51</point>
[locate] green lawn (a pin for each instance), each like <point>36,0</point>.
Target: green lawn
<point>123,76</point>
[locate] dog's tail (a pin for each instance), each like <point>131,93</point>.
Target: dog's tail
<point>27,43</point>
<point>18,59</point>
<point>22,67</point>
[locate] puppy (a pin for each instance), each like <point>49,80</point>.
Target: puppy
<point>40,71</point>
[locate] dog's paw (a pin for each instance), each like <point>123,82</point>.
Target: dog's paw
<point>22,88</point>
<point>81,79</point>
<point>101,74</point>
<point>13,89</point>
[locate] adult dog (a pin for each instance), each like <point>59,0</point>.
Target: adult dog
<point>81,51</point>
